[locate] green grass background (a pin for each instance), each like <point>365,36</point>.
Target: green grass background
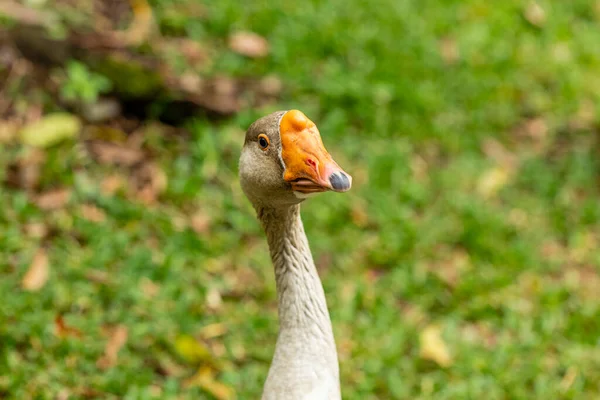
<point>510,274</point>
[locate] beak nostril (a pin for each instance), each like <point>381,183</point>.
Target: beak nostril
<point>339,181</point>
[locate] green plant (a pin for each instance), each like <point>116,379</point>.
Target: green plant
<point>83,85</point>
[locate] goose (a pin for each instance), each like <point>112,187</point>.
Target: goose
<point>283,162</point>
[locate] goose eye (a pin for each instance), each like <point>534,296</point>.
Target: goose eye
<point>263,141</point>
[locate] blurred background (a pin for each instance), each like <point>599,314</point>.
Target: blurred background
<point>463,263</point>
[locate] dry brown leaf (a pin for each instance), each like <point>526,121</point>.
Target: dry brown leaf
<point>8,131</point>
<point>249,44</point>
<point>25,173</point>
<point>92,213</point>
<point>110,153</point>
<point>535,14</point>
<point>36,230</point>
<point>201,222</point>
<point>53,199</point>
<point>37,275</point>
<point>149,288</point>
<point>148,182</point>
<point>359,214</point>
<point>221,94</point>
<point>190,82</point>
<point>536,128</point>
<point>142,25</point>
<point>213,330</point>
<point>205,379</point>
<point>412,313</point>
<point>62,330</point>
<point>479,333</point>
<point>192,51</point>
<point>433,346</point>
<point>585,116</point>
<point>271,85</point>
<point>98,276</point>
<point>498,153</point>
<point>452,267</point>
<point>449,50</point>
<point>118,338</point>
<point>111,184</point>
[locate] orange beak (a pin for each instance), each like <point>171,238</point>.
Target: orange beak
<point>308,166</point>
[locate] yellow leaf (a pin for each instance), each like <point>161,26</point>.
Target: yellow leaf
<point>492,181</point>
<point>192,351</point>
<point>535,14</point>
<point>433,347</point>
<point>205,379</point>
<point>38,272</point>
<point>50,130</point>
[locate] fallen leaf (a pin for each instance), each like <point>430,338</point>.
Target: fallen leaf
<point>110,153</point>
<point>192,350</point>
<point>585,116</point>
<point>479,333</point>
<point>433,346</point>
<point>214,300</point>
<point>213,330</point>
<point>238,351</point>
<point>205,379</point>
<point>8,131</point>
<point>536,128</point>
<point>492,181</point>
<point>50,130</point>
<point>498,153</point>
<point>271,85</point>
<point>452,266</point>
<point>25,173</point>
<point>142,25</point>
<point>412,313</point>
<point>53,199</point>
<point>535,14</point>
<point>249,44</point>
<point>221,94</point>
<point>111,184</point>
<point>92,213</point>
<point>192,51</point>
<point>568,380</point>
<point>201,222</point>
<point>449,50</point>
<point>118,338</point>
<point>36,230</point>
<point>359,215</point>
<point>62,330</point>
<point>190,82</point>
<point>97,276</point>
<point>148,182</point>
<point>37,275</point>
<point>149,288</point>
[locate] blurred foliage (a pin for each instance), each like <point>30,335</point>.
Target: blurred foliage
<point>471,129</point>
<point>82,85</point>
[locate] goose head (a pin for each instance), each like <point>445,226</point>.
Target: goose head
<point>284,161</point>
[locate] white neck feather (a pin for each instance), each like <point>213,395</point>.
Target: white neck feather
<point>305,360</point>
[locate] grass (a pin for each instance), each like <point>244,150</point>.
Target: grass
<point>471,130</point>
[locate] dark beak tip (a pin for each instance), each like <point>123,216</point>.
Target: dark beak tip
<point>339,181</point>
